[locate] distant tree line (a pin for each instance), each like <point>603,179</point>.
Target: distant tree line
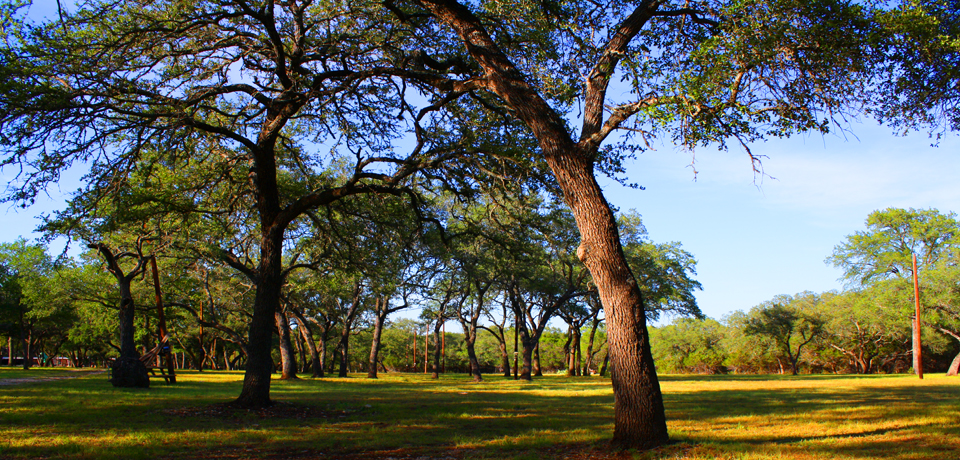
<point>865,329</point>
<point>505,274</point>
<point>331,320</point>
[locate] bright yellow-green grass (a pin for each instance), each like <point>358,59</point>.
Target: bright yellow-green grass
<point>412,416</point>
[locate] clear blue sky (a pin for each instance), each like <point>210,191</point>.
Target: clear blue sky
<point>754,237</point>
<point>757,237</point>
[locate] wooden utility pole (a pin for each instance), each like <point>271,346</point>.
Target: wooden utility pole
<point>917,346</point>
<point>172,377</point>
<point>443,348</point>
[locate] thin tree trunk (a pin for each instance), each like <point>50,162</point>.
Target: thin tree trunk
<point>588,362</point>
<point>226,358</point>
<point>344,352</point>
<point>576,348</point>
<point>436,350</point>
<point>322,351</point>
<point>606,361</point>
<point>505,359</point>
<point>301,351</point>
<point>27,352</point>
<point>537,370</point>
<point>380,318</point>
<point>288,360</point>
<point>316,363</point>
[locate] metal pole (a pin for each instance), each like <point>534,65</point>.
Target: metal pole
<point>917,346</point>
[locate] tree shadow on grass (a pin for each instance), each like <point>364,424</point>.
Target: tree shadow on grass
<point>453,418</point>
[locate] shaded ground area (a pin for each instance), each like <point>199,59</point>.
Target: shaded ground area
<point>407,416</point>
<point>228,413</point>
<point>573,452</point>
<point>25,380</point>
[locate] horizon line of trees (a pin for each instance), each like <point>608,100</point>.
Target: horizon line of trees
<point>56,308</point>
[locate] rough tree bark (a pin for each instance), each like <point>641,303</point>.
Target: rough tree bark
<point>256,380</point>
<point>127,370</point>
<point>640,421</point>
<point>349,317</point>
<point>381,310</point>
<point>288,362</point>
<point>437,339</point>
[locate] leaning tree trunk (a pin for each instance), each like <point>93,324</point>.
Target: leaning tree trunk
<point>954,366</point>
<point>288,362</point>
<point>316,364</point>
<point>470,339</point>
<point>640,421</point>
<point>606,362</point>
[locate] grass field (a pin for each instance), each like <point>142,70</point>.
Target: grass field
<point>411,416</point>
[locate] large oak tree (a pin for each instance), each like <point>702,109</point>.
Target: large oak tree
<point>697,73</point>
<point>275,109</point>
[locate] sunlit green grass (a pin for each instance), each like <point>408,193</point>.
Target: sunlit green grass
<point>411,416</point>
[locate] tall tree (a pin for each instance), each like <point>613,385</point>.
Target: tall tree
<point>29,292</point>
<point>880,258</point>
<point>893,235</point>
<point>699,73</point>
